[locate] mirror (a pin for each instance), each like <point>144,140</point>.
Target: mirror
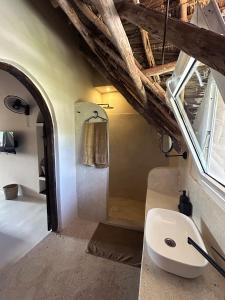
<point>166,143</point>
<point>167,147</point>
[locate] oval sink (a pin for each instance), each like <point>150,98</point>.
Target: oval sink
<point>166,233</point>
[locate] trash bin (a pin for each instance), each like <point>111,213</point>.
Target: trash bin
<point>10,191</point>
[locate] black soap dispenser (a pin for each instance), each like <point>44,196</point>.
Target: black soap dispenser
<point>185,206</point>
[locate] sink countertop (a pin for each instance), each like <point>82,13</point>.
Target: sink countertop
<point>156,284</point>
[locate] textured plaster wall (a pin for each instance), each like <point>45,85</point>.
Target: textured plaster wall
<point>35,37</point>
<point>134,149</point>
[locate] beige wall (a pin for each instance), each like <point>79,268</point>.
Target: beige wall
<point>13,166</point>
<point>36,39</point>
<point>134,149</point>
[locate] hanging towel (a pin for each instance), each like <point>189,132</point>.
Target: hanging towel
<point>88,145</point>
<point>101,145</point>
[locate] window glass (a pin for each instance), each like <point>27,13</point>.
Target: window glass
<point>203,111</point>
<point>216,158</point>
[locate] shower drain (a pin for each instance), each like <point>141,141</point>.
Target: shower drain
<point>170,242</point>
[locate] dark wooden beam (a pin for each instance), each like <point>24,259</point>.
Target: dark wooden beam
<point>111,18</point>
<point>90,15</point>
<point>204,45</point>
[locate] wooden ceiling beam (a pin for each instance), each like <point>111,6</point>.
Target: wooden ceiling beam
<point>160,69</point>
<point>91,16</point>
<point>146,81</point>
<point>111,18</point>
<point>206,46</point>
<point>148,51</point>
<point>156,89</point>
<point>152,110</point>
<point>183,10</point>
<point>152,117</point>
<point>147,47</point>
<point>72,15</point>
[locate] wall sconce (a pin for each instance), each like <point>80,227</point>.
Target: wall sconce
<point>106,106</point>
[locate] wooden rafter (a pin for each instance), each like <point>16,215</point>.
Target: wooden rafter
<point>148,51</point>
<point>112,20</point>
<point>154,87</point>
<point>204,45</point>
<point>183,10</point>
<point>147,47</point>
<point>69,10</point>
<point>88,13</point>
<point>104,48</point>
<point>124,85</point>
<point>161,69</point>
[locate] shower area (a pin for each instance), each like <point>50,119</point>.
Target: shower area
<point>116,193</point>
<point>133,151</point>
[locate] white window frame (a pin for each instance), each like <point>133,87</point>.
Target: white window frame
<point>210,18</point>
<point>190,137</point>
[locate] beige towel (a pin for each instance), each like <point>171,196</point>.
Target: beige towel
<point>101,145</point>
<point>88,146</point>
<point>95,147</point>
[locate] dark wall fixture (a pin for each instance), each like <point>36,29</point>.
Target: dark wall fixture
<point>17,105</point>
<point>167,145</point>
<point>8,143</point>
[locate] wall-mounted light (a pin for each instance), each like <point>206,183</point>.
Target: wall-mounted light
<point>106,106</point>
<point>106,89</point>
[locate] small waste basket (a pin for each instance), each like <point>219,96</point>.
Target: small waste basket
<point>10,191</point>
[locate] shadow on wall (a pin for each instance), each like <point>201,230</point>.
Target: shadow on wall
<point>58,24</point>
<point>50,15</point>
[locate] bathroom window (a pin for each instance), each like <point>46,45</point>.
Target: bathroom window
<point>200,107</point>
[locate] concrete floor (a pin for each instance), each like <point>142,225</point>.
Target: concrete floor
<point>58,268</point>
<point>126,211</point>
<point>23,224</point>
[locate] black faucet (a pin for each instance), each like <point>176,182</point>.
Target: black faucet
<point>209,258</point>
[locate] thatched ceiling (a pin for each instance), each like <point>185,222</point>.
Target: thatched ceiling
<point>129,56</point>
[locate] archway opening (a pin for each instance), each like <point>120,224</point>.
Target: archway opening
<point>48,147</point>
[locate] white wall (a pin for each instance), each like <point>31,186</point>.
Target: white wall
<point>208,213</point>
<point>92,183</point>
<point>35,37</point>
<point>13,168</point>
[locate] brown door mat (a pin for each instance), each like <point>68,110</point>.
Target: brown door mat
<point>117,244</point>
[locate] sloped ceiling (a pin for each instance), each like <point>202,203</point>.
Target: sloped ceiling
<point>130,57</point>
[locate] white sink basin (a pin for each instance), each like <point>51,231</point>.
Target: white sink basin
<point>166,233</point>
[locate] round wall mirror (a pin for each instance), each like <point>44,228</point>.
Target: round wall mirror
<point>166,143</point>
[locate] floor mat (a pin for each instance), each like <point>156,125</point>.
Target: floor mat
<point>117,244</point>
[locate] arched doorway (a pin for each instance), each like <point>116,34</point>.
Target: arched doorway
<point>50,175</point>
